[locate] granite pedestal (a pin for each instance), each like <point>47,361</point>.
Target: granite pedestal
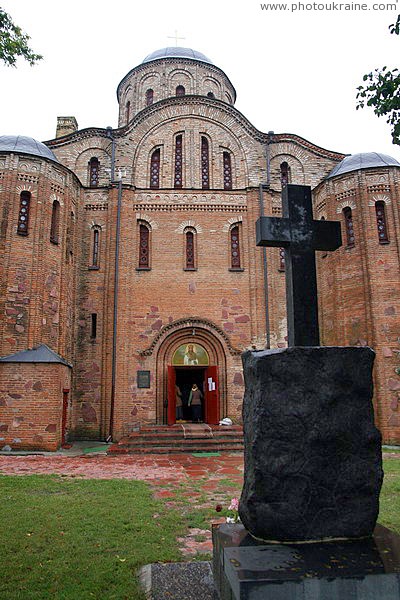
<point>247,569</point>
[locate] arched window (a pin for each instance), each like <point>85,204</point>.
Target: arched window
<point>178,161</point>
<point>281,259</point>
<point>149,97</point>
<point>180,91</point>
<point>381,222</point>
<point>23,215</point>
<point>144,246</point>
<point>55,222</point>
<point>95,258</point>
<point>205,164</point>
<point>285,174</point>
<point>190,250</point>
<point>155,169</point>
<point>235,247</point>
<point>94,167</point>
<point>128,111</point>
<point>227,165</point>
<point>349,226</point>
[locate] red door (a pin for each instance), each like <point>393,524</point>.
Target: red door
<point>64,417</point>
<point>171,396</point>
<point>211,393</point>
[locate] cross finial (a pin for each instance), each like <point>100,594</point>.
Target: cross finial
<point>176,37</point>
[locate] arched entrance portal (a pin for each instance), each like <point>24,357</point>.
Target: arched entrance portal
<point>191,354</point>
<point>191,367</point>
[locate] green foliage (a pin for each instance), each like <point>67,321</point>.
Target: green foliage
<point>70,538</point>
<point>382,92</point>
<point>14,42</point>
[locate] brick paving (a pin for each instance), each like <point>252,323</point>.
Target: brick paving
<point>205,480</point>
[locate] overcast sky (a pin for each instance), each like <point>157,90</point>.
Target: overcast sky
<point>294,71</point>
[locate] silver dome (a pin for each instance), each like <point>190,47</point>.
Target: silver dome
<point>25,145</point>
<point>177,52</point>
<point>364,160</point>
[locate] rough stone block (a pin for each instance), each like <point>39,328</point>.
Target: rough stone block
<point>313,463</point>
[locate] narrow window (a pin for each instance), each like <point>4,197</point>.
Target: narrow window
<point>205,164</point>
<point>144,247</point>
<point>180,90</point>
<point>149,97</point>
<point>227,171</point>
<point>348,220</point>
<point>155,169</point>
<point>178,162</point>
<point>235,248</point>
<point>55,222</point>
<point>96,249</point>
<point>94,166</point>
<point>381,222</point>
<point>285,173</point>
<point>281,259</point>
<point>23,215</point>
<point>190,250</point>
<point>128,111</point>
<point>93,328</point>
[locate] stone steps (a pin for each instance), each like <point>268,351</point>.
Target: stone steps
<point>163,439</point>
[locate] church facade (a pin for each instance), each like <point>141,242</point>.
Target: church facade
<point>129,265</point>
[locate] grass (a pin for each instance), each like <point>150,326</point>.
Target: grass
<point>74,539</point>
<point>389,514</point>
<point>64,538</point>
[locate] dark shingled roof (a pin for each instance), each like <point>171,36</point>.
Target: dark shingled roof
<point>40,354</point>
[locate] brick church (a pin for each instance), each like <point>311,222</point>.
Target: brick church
<point>129,265</point>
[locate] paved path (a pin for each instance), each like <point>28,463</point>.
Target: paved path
<point>206,480</point>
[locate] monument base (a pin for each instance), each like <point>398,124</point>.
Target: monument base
<point>247,569</point>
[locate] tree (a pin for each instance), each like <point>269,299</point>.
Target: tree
<point>14,42</point>
<point>382,91</point>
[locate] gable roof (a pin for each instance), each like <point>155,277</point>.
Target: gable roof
<point>39,354</point>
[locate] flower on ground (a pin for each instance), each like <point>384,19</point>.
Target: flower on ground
<point>232,512</point>
<point>234,505</point>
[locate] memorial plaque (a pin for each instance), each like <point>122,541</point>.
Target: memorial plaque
<point>143,379</point>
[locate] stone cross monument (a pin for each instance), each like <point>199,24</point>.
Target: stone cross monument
<point>300,236</point>
<point>312,451</point>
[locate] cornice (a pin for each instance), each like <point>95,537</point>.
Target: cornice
<point>188,101</point>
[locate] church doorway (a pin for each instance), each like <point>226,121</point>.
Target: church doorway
<point>183,378</point>
<point>193,352</point>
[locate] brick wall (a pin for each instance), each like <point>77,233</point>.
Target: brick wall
<point>31,400</point>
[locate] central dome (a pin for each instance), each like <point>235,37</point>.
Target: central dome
<point>177,52</point>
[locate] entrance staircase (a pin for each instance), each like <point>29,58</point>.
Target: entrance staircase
<point>185,437</point>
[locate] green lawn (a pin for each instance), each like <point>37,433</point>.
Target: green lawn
<point>389,514</point>
<point>64,538</point>
<point>75,539</point>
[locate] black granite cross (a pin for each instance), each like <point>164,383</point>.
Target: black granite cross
<point>300,236</point>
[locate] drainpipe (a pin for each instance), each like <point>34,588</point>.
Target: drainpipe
<point>265,270</point>
<point>115,316</point>
<point>112,170</point>
<point>270,136</point>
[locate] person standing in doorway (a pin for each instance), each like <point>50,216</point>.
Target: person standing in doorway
<point>178,404</point>
<point>195,398</point>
